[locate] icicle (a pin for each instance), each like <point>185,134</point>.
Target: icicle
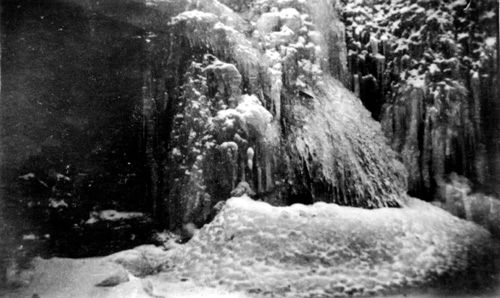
<point>230,149</point>
<point>242,171</point>
<point>380,66</point>
<point>259,179</point>
<point>165,101</point>
<point>276,85</point>
<point>318,55</point>
<point>250,154</point>
<point>356,85</point>
<point>268,172</point>
<point>476,96</point>
<point>480,163</point>
<point>396,67</point>
<point>405,62</point>
<point>374,45</point>
<point>467,203</point>
<point>385,42</point>
<point>253,78</point>
<point>492,213</point>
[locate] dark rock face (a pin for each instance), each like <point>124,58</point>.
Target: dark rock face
<point>70,82</point>
<point>428,71</point>
<point>69,129</point>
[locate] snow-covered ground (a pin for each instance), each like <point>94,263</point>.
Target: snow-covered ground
<point>252,249</point>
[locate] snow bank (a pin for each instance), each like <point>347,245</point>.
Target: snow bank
<point>62,278</point>
<point>329,249</point>
<point>252,249</point>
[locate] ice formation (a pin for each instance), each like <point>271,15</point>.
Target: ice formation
<point>252,249</point>
<point>443,49</point>
<point>329,249</point>
<point>266,114</point>
<point>325,151</point>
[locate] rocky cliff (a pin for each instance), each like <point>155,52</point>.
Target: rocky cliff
<point>248,97</point>
<point>428,70</point>
<point>258,103</point>
<point>250,100</point>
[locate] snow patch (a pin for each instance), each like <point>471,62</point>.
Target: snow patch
<point>195,15</point>
<point>113,215</point>
<point>27,176</point>
<point>295,251</point>
<point>54,203</point>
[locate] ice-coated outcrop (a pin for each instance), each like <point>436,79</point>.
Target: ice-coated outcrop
<point>271,93</point>
<point>428,71</point>
<point>284,54</point>
<point>344,177</point>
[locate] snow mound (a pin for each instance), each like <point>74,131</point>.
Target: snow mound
<point>328,250</point>
<point>62,278</point>
<point>252,249</point>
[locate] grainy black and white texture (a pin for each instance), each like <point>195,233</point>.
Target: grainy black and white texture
<point>249,148</point>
